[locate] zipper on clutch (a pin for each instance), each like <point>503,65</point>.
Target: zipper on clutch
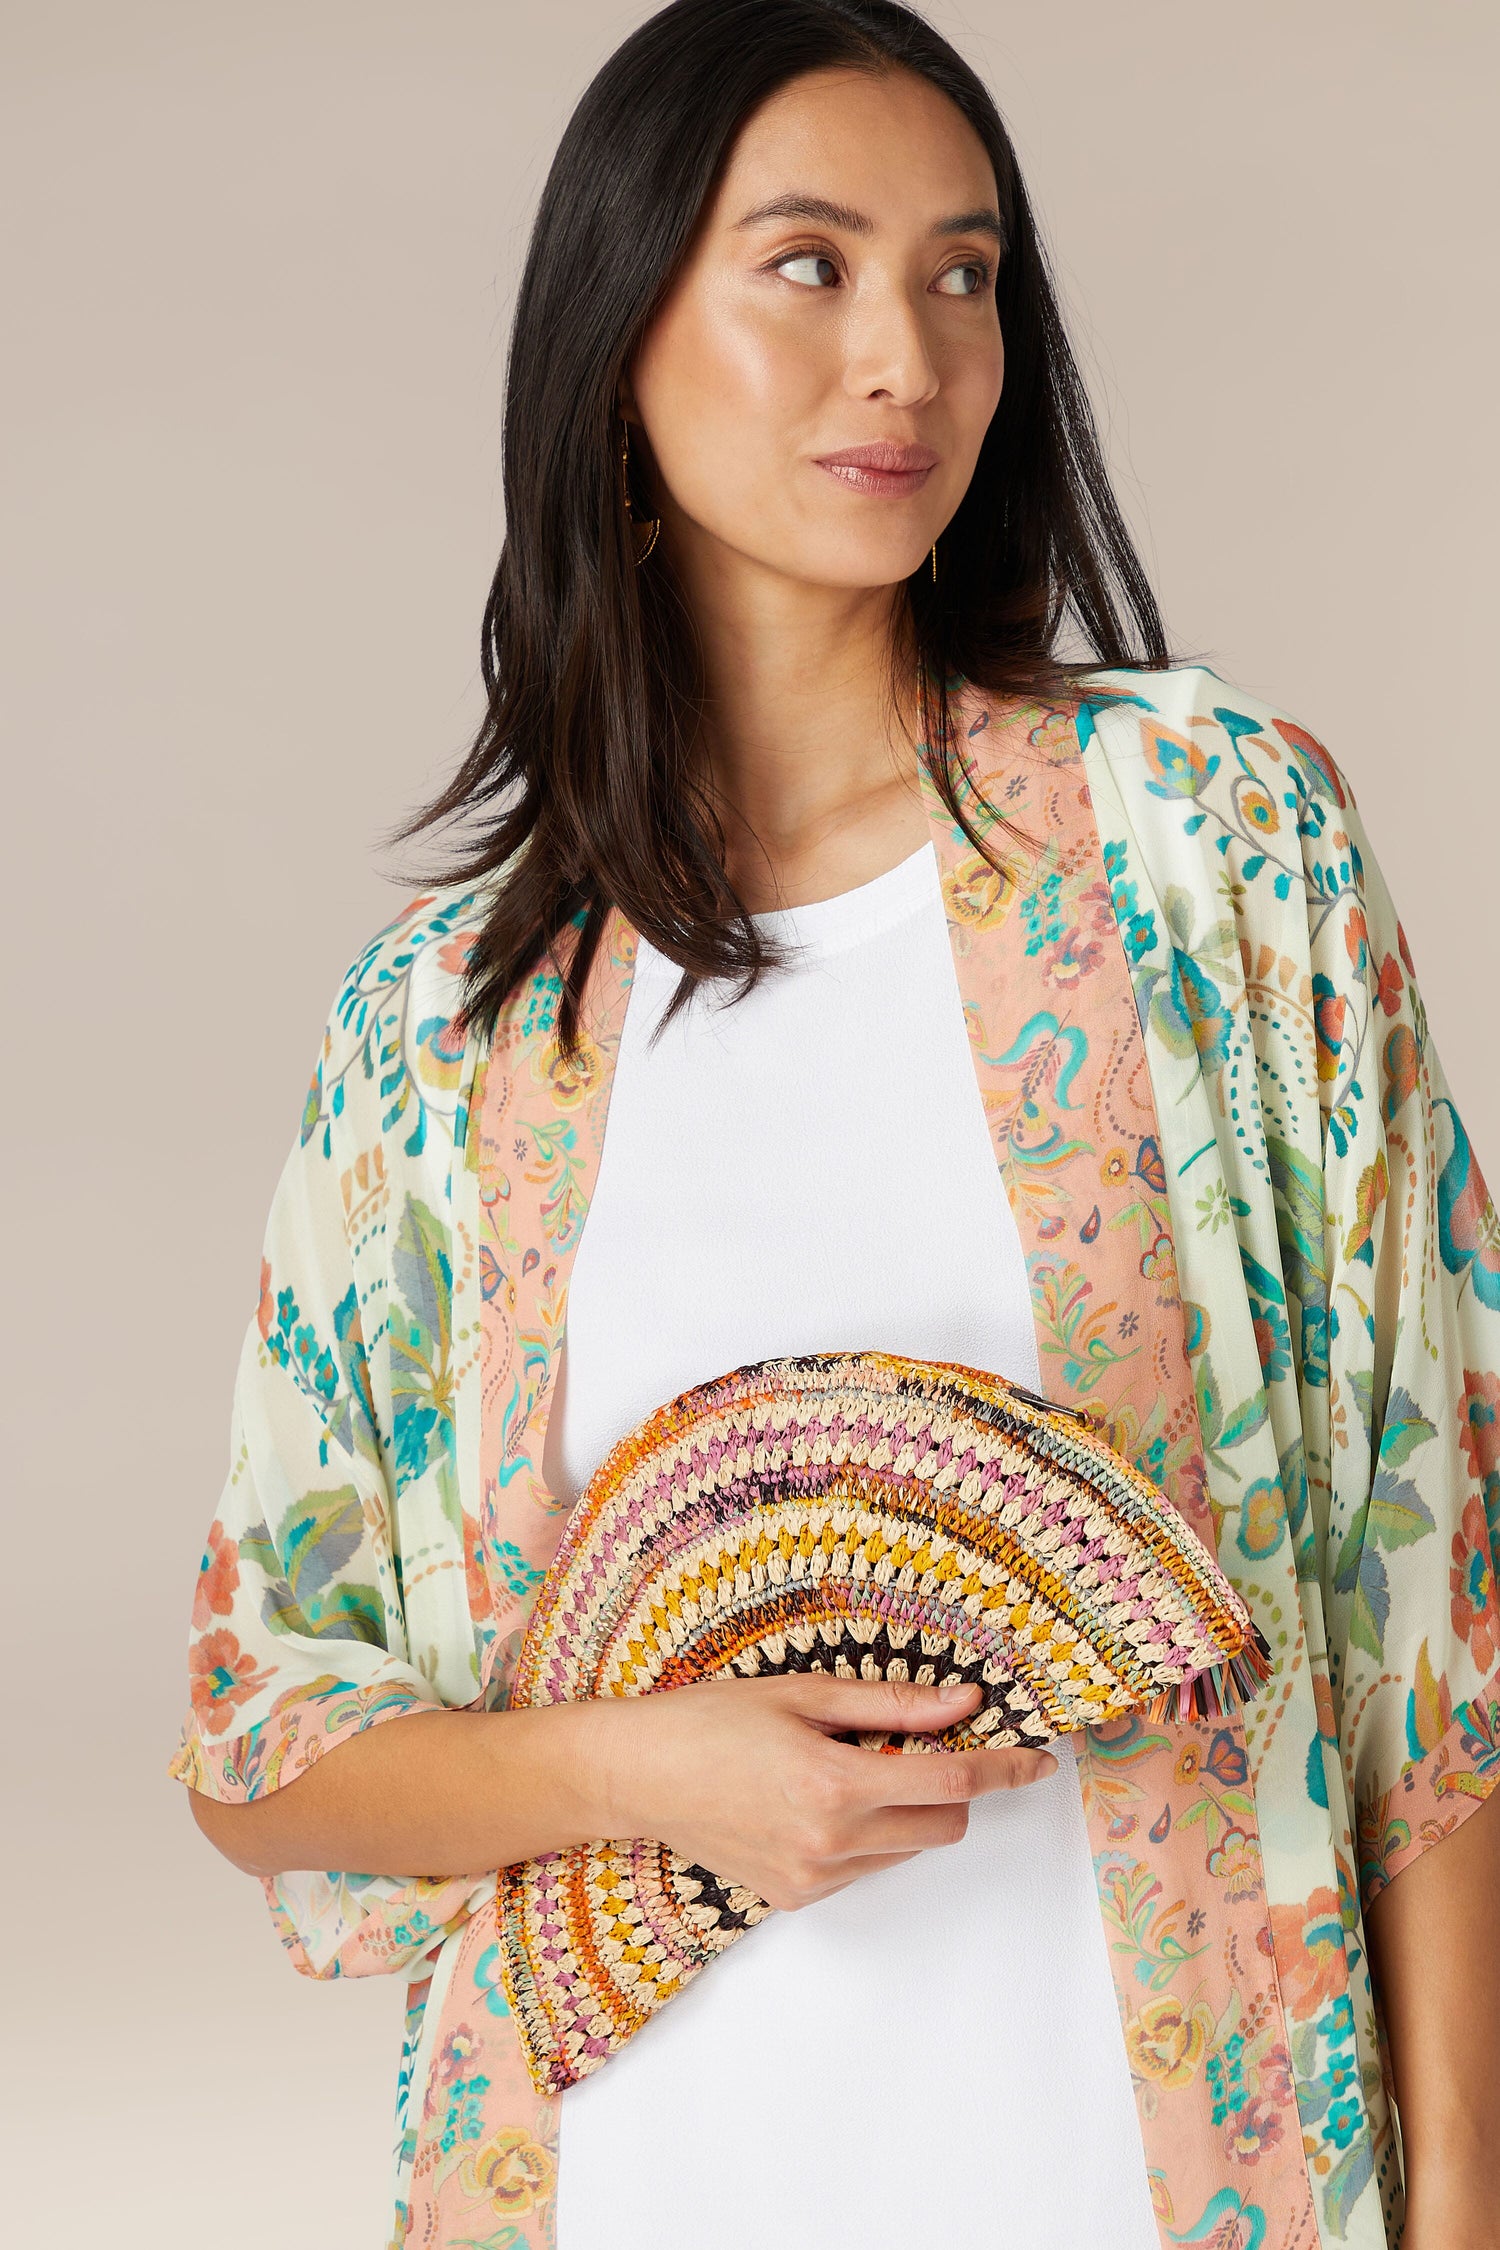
<point>1050,1405</point>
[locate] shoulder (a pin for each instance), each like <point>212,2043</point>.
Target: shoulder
<point>1193,733</point>
<point>1219,785</point>
<point>1228,798</point>
<point>417,958</point>
<point>392,1060</point>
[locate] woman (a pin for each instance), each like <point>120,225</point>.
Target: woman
<point>940,995</point>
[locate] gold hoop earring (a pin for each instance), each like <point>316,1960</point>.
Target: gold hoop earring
<point>638,524</point>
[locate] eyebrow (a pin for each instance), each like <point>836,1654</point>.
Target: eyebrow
<point>820,212</point>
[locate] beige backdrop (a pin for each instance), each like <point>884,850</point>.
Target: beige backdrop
<point>256,317</point>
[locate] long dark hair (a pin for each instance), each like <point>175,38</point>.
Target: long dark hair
<point>584,775</point>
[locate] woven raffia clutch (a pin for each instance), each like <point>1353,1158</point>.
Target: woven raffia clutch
<point>855,1513</point>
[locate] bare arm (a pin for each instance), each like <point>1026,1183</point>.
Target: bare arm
<point>743,1776</point>
<point>1436,1963</point>
<point>434,1793</point>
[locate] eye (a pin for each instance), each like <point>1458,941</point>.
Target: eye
<point>969,280</point>
<point>809,269</point>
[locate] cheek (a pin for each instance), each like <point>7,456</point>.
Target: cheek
<point>724,391</point>
<point>974,386</point>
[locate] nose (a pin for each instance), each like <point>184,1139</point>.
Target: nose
<point>886,351</point>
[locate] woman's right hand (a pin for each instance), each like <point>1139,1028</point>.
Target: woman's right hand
<point>744,1777</point>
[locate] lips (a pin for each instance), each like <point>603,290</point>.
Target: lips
<point>884,467</point>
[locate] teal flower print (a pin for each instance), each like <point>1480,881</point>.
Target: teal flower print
<point>1343,2120</point>
<point>489,1982</point>
<point>1137,924</point>
<point>519,1575</point>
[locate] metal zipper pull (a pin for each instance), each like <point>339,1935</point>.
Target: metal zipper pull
<point>1050,1405</point>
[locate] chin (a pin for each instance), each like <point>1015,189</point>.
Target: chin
<point>873,563</point>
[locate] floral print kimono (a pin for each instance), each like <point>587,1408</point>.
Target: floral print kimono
<point>1262,1257</point>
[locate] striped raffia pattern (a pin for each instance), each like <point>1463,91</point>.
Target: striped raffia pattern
<point>857,1513</point>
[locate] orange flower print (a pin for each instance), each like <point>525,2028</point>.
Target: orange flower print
<point>1159,1264</point>
<point>1256,2129</point>
<point>1309,1947</point>
<point>217,1579</point>
<point>1115,1170</point>
<point>1167,2042</point>
<point>223,1677</point>
<point>1054,738</point>
<point>1356,939</point>
<point>454,2057</point>
<point>476,1578</point>
<point>1329,1011</point>
<point>975,893</point>
<point>1404,949</point>
<point>453,958</point>
<point>1388,985</point>
<point>569,1082</point>
<point>510,2171</point>
<point>1078,951</point>
<point>1275,2075</point>
<point>1191,1494</point>
<point>1312,752</point>
<point>1471,1581</point>
<point>1234,1863</point>
<point>1096,907</point>
<point>440,1050</point>
<point>413,910</point>
<point>1479,1433</point>
<point>1069,962</point>
<point>1400,1065</point>
<point>1258,807</point>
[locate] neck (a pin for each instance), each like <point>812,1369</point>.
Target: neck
<point>809,757</point>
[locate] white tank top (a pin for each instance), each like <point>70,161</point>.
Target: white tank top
<point>932,2054</point>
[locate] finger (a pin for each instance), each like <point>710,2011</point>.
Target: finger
<point>899,1828</point>
<point>938,1778</point>
<point>893,1706</point>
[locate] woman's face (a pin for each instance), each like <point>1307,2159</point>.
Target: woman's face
<point>838,302</point>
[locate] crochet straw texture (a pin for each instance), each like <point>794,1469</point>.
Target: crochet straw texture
<point>862,1514</point>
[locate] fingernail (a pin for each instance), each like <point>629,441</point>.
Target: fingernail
<point>950,1690</point>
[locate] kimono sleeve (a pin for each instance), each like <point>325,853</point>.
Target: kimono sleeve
<point>1413,1338</point>
<point>299,1630</point>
